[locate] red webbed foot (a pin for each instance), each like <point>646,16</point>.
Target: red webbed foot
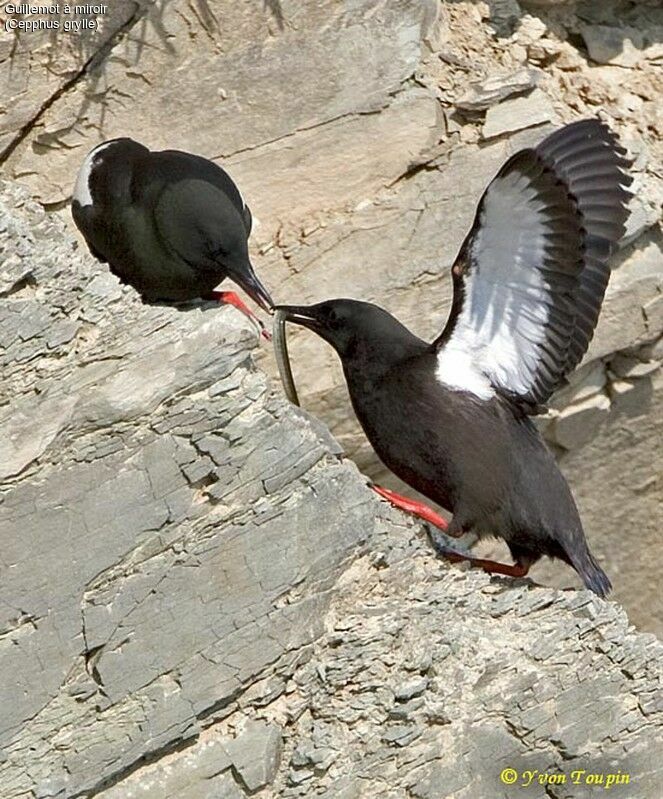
<point>490,566</point>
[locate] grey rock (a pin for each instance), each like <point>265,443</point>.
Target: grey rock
<point>36,65</point>
<point>389,230</point>
<point>407,690</point>
<point>633,285</point>
<point>496,88</point>
<point>518,113</point>
<point>299,776</point>
<point>577,424</point>
<point>403,711</point>
<point>401,734</point>
<point>504,16</point>
<point>162,643</point>
<point>653,313</point>
<point>587,380</point>
<point>607,45</point>
<point>163,584</point>
<point>203,770</point>
<point>222,786</point>
<point>256,754</point>
<point>546,3</point>
<point>629,366</point>
<point>134,593</point>
<point>251,57</point>
<point>619,389</point>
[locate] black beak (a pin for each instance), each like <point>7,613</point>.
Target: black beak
<point>300,315</point>
<point>253,287</point>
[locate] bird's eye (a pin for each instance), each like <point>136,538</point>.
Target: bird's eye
<point>333,316</point>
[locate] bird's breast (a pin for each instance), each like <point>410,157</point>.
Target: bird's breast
<point>448,445</point>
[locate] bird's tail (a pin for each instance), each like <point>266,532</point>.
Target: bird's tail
<point>592,574</point>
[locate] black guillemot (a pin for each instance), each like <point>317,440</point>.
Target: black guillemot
<point>171,224</point>
<point>453,418</point>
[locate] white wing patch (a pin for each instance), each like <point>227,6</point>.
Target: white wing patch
<point>497,338</point>
<point>456,369</point>
<point>82,192</point>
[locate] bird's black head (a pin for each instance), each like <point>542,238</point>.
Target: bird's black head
<point>106,171</point>
<point>358,331</point>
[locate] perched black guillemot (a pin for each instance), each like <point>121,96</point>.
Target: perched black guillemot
<point>452,418</point>
<point>171,224</point>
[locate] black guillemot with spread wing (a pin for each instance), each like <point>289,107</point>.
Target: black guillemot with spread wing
<point>171,224</point>
<point>452,418</point>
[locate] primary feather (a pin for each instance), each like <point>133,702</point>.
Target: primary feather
<point>530,277</point>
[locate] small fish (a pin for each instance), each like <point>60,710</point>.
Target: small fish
<point>282,359</point>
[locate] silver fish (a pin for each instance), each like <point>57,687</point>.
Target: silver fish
<point>282,359</point>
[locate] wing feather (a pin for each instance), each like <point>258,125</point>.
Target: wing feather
<point>530,277</point>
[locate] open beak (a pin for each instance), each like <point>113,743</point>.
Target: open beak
<point>253,287</point>
<point>299,315</point>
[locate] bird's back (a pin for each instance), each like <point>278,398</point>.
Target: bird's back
<point>166,168</point>
<point>162,219</point>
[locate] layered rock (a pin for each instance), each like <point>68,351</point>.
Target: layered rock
<point>362,135</point>
<point>201,598</point>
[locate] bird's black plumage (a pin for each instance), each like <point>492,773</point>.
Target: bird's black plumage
<point>452,418</point>
<point>171,224</point>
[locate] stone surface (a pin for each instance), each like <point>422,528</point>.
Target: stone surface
<point>36,66</point>
<point>579,423</point>
<point>620,46</point>
<point>256,754</point>
<point>247,59</point>
<point>339,122</point>
<point>496,88</point>
<point>623,365</point>
<point>147,565</point>
<point>506,676</point>
<point>518,113</point>
<point>586,381</point>
<point>168,586</point>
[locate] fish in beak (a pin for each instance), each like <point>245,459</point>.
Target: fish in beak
<point>303,315</point>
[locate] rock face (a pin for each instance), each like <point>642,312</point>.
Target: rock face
<point>201,599</point>
<point>126,504</point>
<point>362,135</point>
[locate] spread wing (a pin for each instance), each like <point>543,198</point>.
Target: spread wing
<point>530,277</point>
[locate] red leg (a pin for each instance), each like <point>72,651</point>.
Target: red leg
<point>429,515</point>
<point>490,566</point>
<point>493,567</point>
<point>414,507</point>
<point>231,298</point>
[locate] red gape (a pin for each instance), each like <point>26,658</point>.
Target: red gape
<point>231,298</point>
<point>429,515</point>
